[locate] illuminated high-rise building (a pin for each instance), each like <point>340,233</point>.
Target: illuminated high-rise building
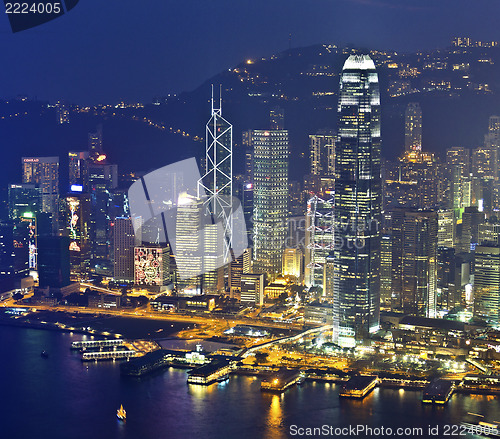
<point>77,224</point>
<point>419,170</point>
<point>95,141</point>
<point>124,241</point>
<point>151,267</point>
<point>292,263</point>
<point>270,199</point>
<point>386,270</point>
<point>24,198</point>
<point>252,289</point>
<point>484,161</point>
<point>189,246</point>
<point>419,260</point>
<point>446,228</point>
<point>459,156</point>
<point>414,236</point>
<point>319,238</point>
<point>357,203</point>
<point>44,172</point>
<point>489,233</point>
<point>246,141</point>
<point>491,194</point>
<point>322,153</point>
<point>413,127</point>
<point>217,182</point>
<point>101,180</point>
<point>78,167</point>
<point>237,268</point>
<point>328,280</point>
<point>487,284</point>
<point>471,218</point>
<point>6,253</point>
<point>446,297</point>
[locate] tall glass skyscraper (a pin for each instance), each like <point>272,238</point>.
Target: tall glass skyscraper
<point>413,127</point>
<point>270,199</point>
<point>357,203</point>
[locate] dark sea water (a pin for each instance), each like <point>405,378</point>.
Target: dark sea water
<point>62,398</point>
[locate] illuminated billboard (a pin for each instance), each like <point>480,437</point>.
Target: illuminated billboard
<point>74,212</point>
<point>151,266</point>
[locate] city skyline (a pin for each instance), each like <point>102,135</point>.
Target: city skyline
<point>281,220</point>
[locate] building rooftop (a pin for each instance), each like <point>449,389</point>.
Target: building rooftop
<point>424,322</point>
<point>359,62</point>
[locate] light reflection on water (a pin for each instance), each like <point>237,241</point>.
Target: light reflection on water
<point>65,398</point>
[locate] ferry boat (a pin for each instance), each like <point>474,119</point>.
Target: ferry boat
<point>302,379</point>
<point>121,414</point>
<point>358,386</point>
<point>476,425</point>
<point>223,378</point>
<point>438,392</point>
<point>280,381</point>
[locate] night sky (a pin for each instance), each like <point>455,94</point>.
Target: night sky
<point>104,51</point>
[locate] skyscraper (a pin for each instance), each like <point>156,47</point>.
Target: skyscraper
<point>188,254</point>
<point>44,171</point>
<point>77,213</point>
<point>419,262</point>
<point>357,203</point>
<point>240,266</point>
<point>292,263</point>
<point>446,228</point>
<point>95,141</point>
<point>414,235</point>
<point>124,241</point>
<point>413,127</point>
<point>319,238</point>
<point>458,160</point>
<point>101,180</point>
<point>53,261</point>
<point>270,199</point>
<point>487,283</point>
<point>446,297</point>
<point>322,152</point>
<point>78,167</point>
<point>252,289</point>
<point>24,198</point>
<point>217,182</point>
<point>151,267</point>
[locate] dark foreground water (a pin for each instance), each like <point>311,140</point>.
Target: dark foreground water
<point>61,397</point>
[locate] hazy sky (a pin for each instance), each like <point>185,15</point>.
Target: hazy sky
<point>107,50</point>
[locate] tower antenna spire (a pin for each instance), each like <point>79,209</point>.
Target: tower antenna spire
<point>212,99</point>
<point>220,98</point>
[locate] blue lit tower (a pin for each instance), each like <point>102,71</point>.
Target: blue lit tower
<point>357,203</point>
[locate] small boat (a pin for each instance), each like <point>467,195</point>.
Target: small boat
<point>223,378</point>
<point>302,379</point>
<point>44,354</point>
<point>121,414</point>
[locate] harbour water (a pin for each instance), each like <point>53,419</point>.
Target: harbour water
<point>60,397</point>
